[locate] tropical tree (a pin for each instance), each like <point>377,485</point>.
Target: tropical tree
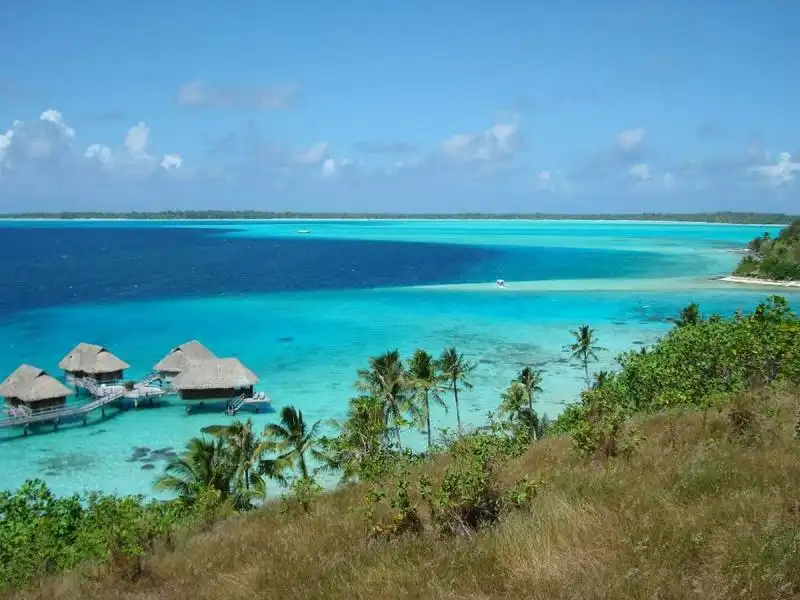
<point>455,370</point>
<point>425,383</point>
<point>514,405</point>
<point>246,452</point>
<point>243,445</point>
<point>690,315</point>
<point>293,441</point>
<point>531,381</point>
<point>584,348</point>
<point>385,380</point>
<point>205,464</point>
<point>601,377</point>
<point>360,449</point>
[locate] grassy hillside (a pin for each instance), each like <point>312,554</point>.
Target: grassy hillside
<point>699,510</point>
<point>674,476</point>
<point>777,259</point>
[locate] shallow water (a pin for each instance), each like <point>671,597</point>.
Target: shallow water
<point>305,312</point>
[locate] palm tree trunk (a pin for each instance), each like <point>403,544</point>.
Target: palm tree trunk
<point>586,370</point>
<point>303,467</point>
<point>428,421</point>
<point>458,410</point>
<point>533,423</point>
<point>396,410</point>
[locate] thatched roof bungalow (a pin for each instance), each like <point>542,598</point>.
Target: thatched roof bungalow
<point>179,358</point>
<point>94,362</point>
<point>215,379</point>
<point>31,387</point>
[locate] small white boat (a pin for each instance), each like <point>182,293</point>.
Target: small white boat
<point>500,283</point>
<point>303,231</point>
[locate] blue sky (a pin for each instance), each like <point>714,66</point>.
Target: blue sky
<point>386,106</point>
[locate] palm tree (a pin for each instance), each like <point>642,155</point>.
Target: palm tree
<point>584,349</point>
<point>455,369</point>
<point>246,451</point>
<point>424,381</point>
<point>385,380</point>
<point>515,405</point>
<point>690,315</point>
<point>531,381</point>
<point>600,378</point>
<point>361,437</point>
<point>292,440</point>
<point>205,465</point>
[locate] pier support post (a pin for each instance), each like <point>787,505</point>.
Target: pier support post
<point>103,411</point>
<point>55,425</point>
<point>25,430</point>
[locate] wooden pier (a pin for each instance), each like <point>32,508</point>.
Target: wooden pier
<point>102,398</point>
<point>238,402</point>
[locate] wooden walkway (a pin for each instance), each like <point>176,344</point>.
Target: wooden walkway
<point>238,402</point>
<point>102,398</point>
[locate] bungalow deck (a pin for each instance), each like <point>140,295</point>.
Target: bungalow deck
<point>54,415</point>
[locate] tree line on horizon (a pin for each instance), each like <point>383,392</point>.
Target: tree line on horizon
<point>745,218</point>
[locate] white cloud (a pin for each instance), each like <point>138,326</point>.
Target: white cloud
<point>328,167</point>
<point>171,161</point>
<point>5,142</point>
<point>136,141</point>
<point>47,138</point>
<point>781,172</point>
<point>640,171</point>
<point>499,141</point>
<point>55,117</point>
<point>101,153</point>
<point>630,139</point>
<point>271,97</point>
<point>51,139</point>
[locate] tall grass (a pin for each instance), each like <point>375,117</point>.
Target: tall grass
<point>702,509</point>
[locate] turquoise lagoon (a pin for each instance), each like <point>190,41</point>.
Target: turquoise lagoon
<point>305,311</point>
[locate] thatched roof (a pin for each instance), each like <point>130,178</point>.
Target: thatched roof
<point>31,384</point>
<point>215,374</point>
<point>180,357</point>
<point>93,359</point>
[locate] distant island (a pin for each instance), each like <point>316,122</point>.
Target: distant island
<point>742,218</point>
<point>771,260</point>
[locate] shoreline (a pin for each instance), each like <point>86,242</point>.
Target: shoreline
<point>444,218</point>
<point>757,281</point>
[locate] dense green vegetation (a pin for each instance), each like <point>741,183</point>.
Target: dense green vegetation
<point>708,499</point>
<point>716,217</point>
<point>776,259</point>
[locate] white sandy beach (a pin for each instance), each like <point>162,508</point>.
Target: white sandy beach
<point>756,281</point>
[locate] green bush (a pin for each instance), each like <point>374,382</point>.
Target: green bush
<point>40,533</point>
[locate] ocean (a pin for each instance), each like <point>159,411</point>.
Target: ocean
<point>305,311</point>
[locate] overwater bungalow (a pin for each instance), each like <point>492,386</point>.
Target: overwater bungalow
<point>179,358</point>
<point>93,362</point>
<point>30,390</point>
<point>215,379</point>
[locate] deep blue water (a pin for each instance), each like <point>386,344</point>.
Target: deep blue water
<point>53,266</point>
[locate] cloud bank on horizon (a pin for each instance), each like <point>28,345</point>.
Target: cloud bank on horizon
<point>547,110</point>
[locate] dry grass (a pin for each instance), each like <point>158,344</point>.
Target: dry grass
<point>695,513</point>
